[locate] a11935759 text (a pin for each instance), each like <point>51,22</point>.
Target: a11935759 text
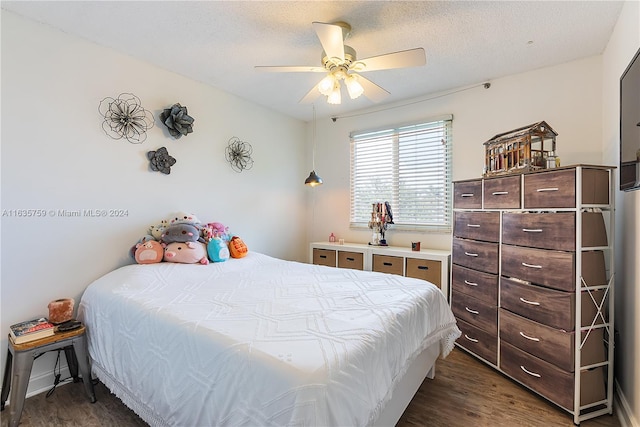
<point>65,213</point>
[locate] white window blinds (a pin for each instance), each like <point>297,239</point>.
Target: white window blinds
<point>408,166</point>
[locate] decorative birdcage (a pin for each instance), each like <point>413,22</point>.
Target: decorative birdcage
<point>524,149</point>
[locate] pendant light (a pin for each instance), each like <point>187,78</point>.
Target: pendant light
<point>313,179</point>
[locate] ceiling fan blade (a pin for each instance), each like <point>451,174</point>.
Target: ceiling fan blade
<point>291,69</point>
<point>401,59</point>
<point>311,96</point>
<point>372,90</point>
<point>331,38</point>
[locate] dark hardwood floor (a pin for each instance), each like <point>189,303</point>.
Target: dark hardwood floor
<point>464,393</point>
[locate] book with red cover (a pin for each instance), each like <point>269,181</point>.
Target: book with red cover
<point>30,330</point>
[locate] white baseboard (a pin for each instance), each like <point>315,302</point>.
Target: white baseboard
<point>623,410</point>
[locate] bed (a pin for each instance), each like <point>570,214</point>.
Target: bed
<point>259,341</point>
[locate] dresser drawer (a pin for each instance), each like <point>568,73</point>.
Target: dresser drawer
<point>540,230</point>
<point>425,269</point>
<point>553,230</point>
<point>467,194</point>
<point>556,189</point>
<point>353,260</point>
<point>548,380</point>
<point>324,257</point>
<point>552,345</point>
<point>553,269</point>
<point>547,306</point>
<point>477,255</point>
<point>475,312</point>
<point>595,186</point>
<point>387,264</point>
<point>483,286</point>
<point>483,226</point>
<point>502,193</point>
<point>480,342</point>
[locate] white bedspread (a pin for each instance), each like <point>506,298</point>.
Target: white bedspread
<point>259,341</point>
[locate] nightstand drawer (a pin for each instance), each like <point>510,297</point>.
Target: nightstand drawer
<point>476,255</point>
<point>467,194</point>
<point>475,312</point>
<point>553,269</point>
<point>502,193</point>
<point>548,380</point>
<point>324,257</point>
<point>483,226</point>
<point>353,260</point>
<point>480,342</point>
<point>387,264</point>
<point>556,189</point>
<point>483,286</point>
<point>540,230</point>
<point>548,306</point>
<point>424,269</point>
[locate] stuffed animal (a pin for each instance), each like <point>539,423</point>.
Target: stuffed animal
<point>186,253</point>
<point>184,218</point>
<point>237,247</point>
<point>149,252</point>
<point>218,250</point>
<point>215,229</point>
<point>181,233</point>
<point>143,239</point>
<point>157,230</point>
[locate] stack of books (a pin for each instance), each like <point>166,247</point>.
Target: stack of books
<point>31,330</point>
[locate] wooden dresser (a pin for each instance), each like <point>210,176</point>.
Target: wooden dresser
<point>532,281</point>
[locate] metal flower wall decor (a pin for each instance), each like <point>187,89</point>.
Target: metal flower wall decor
<point>125,118</point>
<point>238,154</point>
<point>160,160</point>
<point>177,120</point>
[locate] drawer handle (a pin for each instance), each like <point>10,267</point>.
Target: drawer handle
<point>466,195</point>
<point>323,256</point>
<point>499,193</point>
<point>473,225</point>
<point>529,302</point>
<point>350,259</point>
<point>471,311</point>
<point>470,339</point>
<point>470,283</point>
<point>540,190</point>
<point>531,265</point>
<point>387,263</point>
<point>523,335</point>
<point>423,267</point>
<point>532,230</point>
<point>533,374</point>
<point>470,254</point>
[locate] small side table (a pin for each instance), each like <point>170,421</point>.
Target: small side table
<point>74,344</point>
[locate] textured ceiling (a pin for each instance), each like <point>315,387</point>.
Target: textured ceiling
<point>220,42</point>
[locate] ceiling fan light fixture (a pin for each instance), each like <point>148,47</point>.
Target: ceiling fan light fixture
<point>334,97</point>
<point>354,87</point>
<point>327,85</point>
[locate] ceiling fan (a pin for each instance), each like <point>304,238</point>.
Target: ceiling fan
<point>340,63</point>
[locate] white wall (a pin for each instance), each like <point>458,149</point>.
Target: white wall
<point>624,43</point>
<point>568,97</point>
<point>56,156</point>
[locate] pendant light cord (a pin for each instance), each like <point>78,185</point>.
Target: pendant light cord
<point>313,135</point>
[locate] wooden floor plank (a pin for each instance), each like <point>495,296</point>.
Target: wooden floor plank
<point>465,392</point>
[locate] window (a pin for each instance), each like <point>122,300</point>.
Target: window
<point>408,166</point>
